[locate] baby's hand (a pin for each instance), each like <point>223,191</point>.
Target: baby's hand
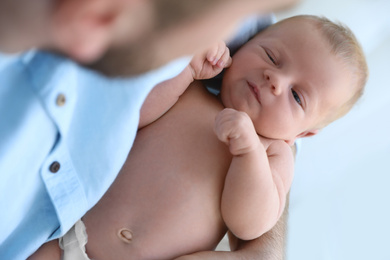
<point>211,62</point>
<point>236,130</point>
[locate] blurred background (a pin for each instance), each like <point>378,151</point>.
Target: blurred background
<point>340,198</point>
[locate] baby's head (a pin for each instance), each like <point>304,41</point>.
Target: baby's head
<point>296,77</point>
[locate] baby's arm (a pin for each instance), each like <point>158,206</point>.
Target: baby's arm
<point>163,96</point>
<point>258,179</point>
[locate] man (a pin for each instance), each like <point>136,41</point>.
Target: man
<point>57,115</point>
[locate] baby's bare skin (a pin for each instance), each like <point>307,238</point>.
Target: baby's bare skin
<point>178,167</point>
<point>166,200</point>
<point>168,193</point>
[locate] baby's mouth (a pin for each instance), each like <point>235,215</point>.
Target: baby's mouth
<point>255,91</point>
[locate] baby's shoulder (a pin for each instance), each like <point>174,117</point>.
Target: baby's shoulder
<point>276,147</point>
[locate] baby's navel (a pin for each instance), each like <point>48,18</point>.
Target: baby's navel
<point>125,235</point>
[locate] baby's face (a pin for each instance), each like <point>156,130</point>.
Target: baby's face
<point>287,80</point>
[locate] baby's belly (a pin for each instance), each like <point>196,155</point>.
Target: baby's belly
<point>166,199</point>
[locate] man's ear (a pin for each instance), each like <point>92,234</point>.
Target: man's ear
<point>82,29</point>
<point>308,133</point>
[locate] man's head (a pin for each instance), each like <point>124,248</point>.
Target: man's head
<point>82,29</point>
<point>139,33</point>
<point>296,77</point>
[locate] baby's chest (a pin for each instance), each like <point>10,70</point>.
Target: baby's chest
<point>184,140</point>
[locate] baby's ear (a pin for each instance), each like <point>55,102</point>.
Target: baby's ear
<point>307,133</point>
<point>82,29</point>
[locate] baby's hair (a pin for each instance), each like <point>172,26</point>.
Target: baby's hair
<point>346,47</point>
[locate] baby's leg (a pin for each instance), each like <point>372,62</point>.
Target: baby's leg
<point>48,251</point>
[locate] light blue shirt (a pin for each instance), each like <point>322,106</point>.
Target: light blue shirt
<point>65,133</point>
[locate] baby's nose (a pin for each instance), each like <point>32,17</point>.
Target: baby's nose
<point>274,82</point>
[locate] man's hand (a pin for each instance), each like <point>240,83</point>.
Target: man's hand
<point>211,62</point>
<point>236,130</point>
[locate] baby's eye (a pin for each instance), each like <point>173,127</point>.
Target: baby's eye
<point>271,58</point>
<point>296,97</point>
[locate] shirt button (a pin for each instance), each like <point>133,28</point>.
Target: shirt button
<point>55,167</point>
<point>60,100</point>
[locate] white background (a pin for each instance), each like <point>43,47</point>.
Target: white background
<point>340,198</point>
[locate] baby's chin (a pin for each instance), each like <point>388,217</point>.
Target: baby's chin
<point>268,136</point>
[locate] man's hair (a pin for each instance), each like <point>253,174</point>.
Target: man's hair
<point>346,47</point>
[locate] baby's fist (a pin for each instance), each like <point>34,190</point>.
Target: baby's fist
<point>236,130</point>
<point>211,62</point>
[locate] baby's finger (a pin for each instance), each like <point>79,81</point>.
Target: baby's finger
<point>225,61</point>
<point>215,54</point>
<point>221,49</point>
<point>212,54</point>
<point>218,128</point>
<point>223,125</point>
